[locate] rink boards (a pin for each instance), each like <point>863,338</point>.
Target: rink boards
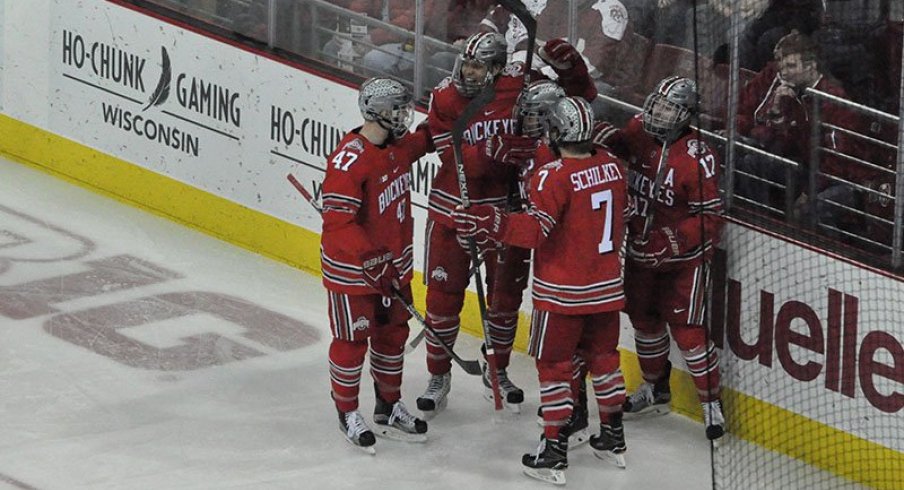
<point>205,132</point>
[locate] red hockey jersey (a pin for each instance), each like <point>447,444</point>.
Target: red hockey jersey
<point>367,205</point>
<point>576,223</point>
<point>689,191</point>
<point>487,180</point>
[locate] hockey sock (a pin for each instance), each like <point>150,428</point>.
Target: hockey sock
<point>502,334</point>
<point>652,353</point>
<point>609,390</point>
<point>608,384</point>
<point>578,379</point>
<point>702,360</point>
<point>442,315</point>
<point>556,402</point>
<point>386,358</point>
<point>346,362</point>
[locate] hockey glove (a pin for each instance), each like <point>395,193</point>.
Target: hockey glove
<point>661,244</point>
<point>511,150</point>
<point>603,133</point>
<point>559,54</point>
<point>379,271</point>
<point>481,222</point>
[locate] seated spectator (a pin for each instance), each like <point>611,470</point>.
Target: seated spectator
<point>461,19</point>
<point>758,40</point>
<point>774,112</point>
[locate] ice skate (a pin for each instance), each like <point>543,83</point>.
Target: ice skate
<point>650,398</point>
<point>609,445</point>
<point>512,396</point>
<point>357,432</point>
<point>433,401</point>
<point>549,462</point>
<point>713,420</point>
<point>393,421</point>
<point>577,427</point>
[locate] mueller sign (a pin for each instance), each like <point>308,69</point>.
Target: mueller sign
<point>850,362</point>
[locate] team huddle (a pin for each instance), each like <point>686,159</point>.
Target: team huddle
<point>602,219</point>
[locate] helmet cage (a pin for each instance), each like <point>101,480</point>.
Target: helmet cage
<point>667,112</point>
<point>488,49</point>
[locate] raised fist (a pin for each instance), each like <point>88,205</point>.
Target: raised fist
<point>511,150</point>
<point>559,54</point>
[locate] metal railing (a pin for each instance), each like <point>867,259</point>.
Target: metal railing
<point>322,18</point>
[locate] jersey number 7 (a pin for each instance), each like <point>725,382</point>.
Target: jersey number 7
<point>598,200</point>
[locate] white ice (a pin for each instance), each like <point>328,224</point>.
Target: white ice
<point>73,418</point>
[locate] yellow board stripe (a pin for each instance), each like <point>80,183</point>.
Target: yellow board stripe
<point>791,434</point>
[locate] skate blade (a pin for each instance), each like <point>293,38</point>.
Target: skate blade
<point>514,408</point>
<point>618,459</point>
<point>371,450</point>
<point>651,411</point>
<point>389,432</point>
<point>556,477</point>
<point>579,438</point>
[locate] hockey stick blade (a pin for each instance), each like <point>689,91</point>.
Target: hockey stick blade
<point>470,367</point>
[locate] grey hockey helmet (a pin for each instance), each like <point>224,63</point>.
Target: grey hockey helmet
<point>570,120</point>
<point>668,110</point>
<point>486,48</point>
<point>388,102</point>
<point>533,104</point>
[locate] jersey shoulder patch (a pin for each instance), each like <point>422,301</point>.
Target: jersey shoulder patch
<point>553,165</point>
<point>514,69</point>
<point>696,148</point>
<point>355,145</point>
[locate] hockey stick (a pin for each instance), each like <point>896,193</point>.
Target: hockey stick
<point>657,185</point>
<point>416,341</point>
<point>458,129</point>
<point>470,367</point>
<point>304,192</point>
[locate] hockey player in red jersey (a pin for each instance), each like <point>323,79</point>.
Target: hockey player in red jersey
<point>673,180</point>
<point>490,152</point>
<point>576,224</point>
<point>366,256</point>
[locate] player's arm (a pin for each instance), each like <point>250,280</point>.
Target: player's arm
<point>417,144</point>
<point>570,67</point>
<point>440,123</point>
<point>498,149</point>
<point>526,230</point>
<point>704,202</point>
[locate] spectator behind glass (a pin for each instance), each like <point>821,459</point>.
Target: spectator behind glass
<point>662,21</point>
<point>603,28</point>
<point>460,19</point>
<point>396,54</point>
<point>780,18</point>
<point>775,113</point>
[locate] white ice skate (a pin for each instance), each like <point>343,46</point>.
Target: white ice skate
<point>357,432</point>
<point>433,401</point>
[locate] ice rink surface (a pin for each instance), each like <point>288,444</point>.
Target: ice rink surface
<point>136,353</point>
